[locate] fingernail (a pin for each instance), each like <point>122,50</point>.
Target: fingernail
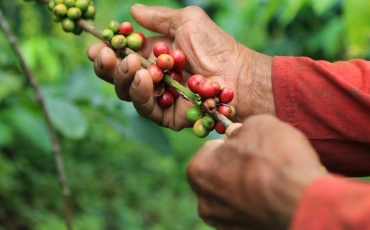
<point>98,62</point>
<point>123,67</point>
<point>138,4</point>
<point>137,79</point>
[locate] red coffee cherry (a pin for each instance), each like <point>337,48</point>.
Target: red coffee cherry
<point>165,61</point>
<point>179,59</point>
<point>216,87</point>
<point>126,28</point>
<point>165,100</point>
<point>226,110</point>
<point>194,81</point>
<point>156,73</point>
<point>177,76</point>
<point>220,128</point>
<point>226,95</point>
<point>205,90</point>
<point>173,91</point>
<point>160,48</point>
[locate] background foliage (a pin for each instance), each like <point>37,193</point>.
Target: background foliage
<point>125,172</point>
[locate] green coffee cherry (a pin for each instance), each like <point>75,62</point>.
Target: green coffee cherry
<point>208,122</point>
<point>78,29</point>
<point>74,13</point>
<point>60,10</point>
<point>51,5</point>
<point>68,25</point>
<point>57,18</point>
<point>114,26</point>
<point>69,3</point>
<point>58,2</point>
<point>199,129</point>
<point>118,42</point>
<point>90,12</point>
<point>107,34</point>
<point>194,113</point>
<point>134,41</point>
<point>82,4</point>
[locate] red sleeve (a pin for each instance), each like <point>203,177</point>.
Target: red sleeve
<point>333,203</point>
<point>330,103</point>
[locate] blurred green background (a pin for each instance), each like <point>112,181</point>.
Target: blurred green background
<point>125,172</point>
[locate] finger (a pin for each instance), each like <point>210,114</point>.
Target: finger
<point>231,128</point>
<point>125,73</point>
<point>155,18</point>
<point>143,99</point>
<point>200,167</point>
<point>94,49</point>
<point>105,64</point>
<point>165,20</point>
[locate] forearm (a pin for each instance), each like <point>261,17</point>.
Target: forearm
<point>330,103</point>
<point>333,203</point>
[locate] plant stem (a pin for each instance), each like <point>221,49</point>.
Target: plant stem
<point>53,137</point>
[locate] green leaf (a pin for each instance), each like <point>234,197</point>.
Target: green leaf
<point>9,84</point>
<point>6,134</point>
<point>28,125</point>
<point>66,118</point>
<point>322,6</point>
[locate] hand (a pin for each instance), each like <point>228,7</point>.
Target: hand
<point>209,50</point>
<point>253,179</point>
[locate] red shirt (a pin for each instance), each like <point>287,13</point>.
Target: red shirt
<point>330,103</point>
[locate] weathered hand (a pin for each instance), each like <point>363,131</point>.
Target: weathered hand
<point>209,50</point>
<point>253,179</point>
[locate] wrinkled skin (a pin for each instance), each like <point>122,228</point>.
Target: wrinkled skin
<point>254,178</point>
<point>209,50</point>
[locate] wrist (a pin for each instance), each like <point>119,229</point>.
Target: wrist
<point>254,93</point>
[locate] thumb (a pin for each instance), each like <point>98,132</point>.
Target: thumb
<point>165,20</point>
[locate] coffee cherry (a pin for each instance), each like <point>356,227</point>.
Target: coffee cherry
<point>60,10</point>
<point>69,3</point>
<point>194,81</point>
<point>220,128</point>
<point>143,38</point>
<point>107,34</point>
<point>134,41</point>
<point>82,4</point>
<point>68,25</point>
<point>225,110</point>
<point>58,2</point>
<point>173,91</point>
<point>57,18</point>
<point>51,5</point>
<point>114,26</point>
<point>156,73</point>
<point>126,28</point>
<point>177,76</point>
<point>165,100</point>
<point>179,59</point>
<point>233,111</point>
<point>209,105</point>
<point>90,12</point>
<point>160,48</point>
<point>226,95</point>
<point>119,42</point>
<point>74,13</point>
<point>199,130</point>
<point>77,30</point>
<point>205,90</point>
<point>165,62</point>
<point>194,113</point>
<point>208,122</point>
<point>216,87</point>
